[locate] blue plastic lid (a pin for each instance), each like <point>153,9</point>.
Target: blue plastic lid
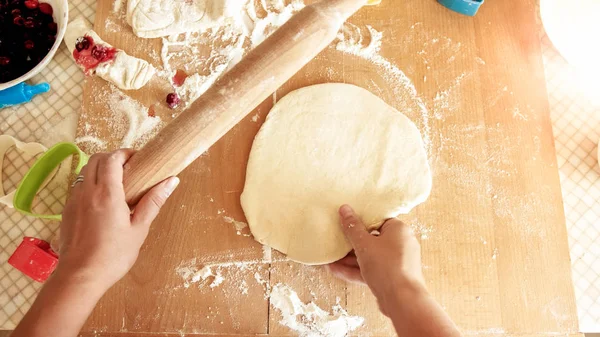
<point>466,7</point>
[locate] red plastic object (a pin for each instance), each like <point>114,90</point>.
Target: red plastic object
<point>34,258</point>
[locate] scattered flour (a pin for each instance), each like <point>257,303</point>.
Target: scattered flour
<point>191,275</point>
<point>141,124</point>
<point>95,142</point>
<point>217,281</point>
<point>265,283</point>
<point>201,275</point>
<point>117,5</point>
<point>267,254</point>
<point>227,44</point>
<point>486,332</point>
<point>265,26</point>
<point>244,288</point>
<point>352,41</point>
<point>197,271</point>
<point>125,118</point>
<point>447,101</point>
<point>226,49</point>
<point>421,230</point>
<point>309,320</point>
<point>239,225</point>
<point>517,114</point>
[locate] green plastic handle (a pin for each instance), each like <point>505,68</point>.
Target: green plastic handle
<point>39,172</point>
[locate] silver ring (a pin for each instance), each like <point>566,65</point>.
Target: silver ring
<point>79,179</point>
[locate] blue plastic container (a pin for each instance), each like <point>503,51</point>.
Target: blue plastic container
<point>466,7</point>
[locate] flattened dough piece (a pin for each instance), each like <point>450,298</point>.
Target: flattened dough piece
<point>32,149</point>
<point>156,18</point>
<point>125,71</point>
<point>323,146</point>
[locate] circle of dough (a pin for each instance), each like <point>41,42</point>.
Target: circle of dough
<point>323,146</point>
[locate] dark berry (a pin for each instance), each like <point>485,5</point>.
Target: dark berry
<point>172,100</point>
<point>46,8</point>
<point>29,44</point>
<point>53,27</point>
<point>19,21</point>
<point>16,12</point>
<point>82,43</point>
<point>29,23</point>
<point>4,61</point>
<point>31,4</point>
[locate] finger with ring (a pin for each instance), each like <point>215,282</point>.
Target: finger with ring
<point>79,179</point>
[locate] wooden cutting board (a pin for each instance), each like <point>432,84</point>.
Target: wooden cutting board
<point>493,236</point>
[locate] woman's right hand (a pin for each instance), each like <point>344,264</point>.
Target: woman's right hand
<point>388,263</point>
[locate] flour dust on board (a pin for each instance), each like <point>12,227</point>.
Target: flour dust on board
<point>193,61</point>
<point>306,319</point>
<point>128,120</point>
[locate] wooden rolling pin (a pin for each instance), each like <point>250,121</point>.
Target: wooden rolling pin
<point>237,93</point>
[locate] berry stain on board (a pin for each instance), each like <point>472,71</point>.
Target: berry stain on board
<point>27,33</point>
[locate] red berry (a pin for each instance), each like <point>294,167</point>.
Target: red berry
<point>29,44</point>
<point>16,12</point>
<point>53,27</point>
<point>82,43</point>
<point>172,100</point>
<point>19,21</point>
<point>29,23</point>
<point>4,61</point>
<point>103,53</point>
<point>31,4</point>
<point>46,8</point>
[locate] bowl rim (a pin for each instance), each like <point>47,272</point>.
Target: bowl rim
<point>60,34</point>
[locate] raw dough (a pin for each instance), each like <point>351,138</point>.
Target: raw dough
<point>32,149</point>
<point>156,18</point>
<point>323,146</point>
<point>125,71</point>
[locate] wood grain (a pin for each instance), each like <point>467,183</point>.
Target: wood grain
<point>493,235</point>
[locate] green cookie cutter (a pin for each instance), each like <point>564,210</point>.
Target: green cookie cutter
<point>42,170</point>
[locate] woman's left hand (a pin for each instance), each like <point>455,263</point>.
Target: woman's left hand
<point>100,238</point>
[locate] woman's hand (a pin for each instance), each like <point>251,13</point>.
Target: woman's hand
<point>390,264</point>
<point>387,263</point>
<point>100,240</point>
<point>100,237</point>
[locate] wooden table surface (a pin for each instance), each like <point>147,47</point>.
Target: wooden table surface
<point>493,234</point>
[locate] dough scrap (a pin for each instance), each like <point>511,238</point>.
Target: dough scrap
<point>125,71</point>
<point>32,149</point>
<point>157,18</point>
<point>323,146</point>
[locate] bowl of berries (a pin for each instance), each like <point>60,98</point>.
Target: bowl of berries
<point>30,33</point>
